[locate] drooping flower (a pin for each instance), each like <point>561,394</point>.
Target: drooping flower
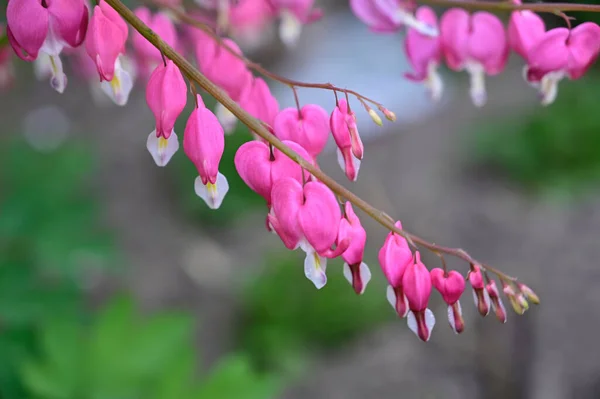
<point>425,54</point>
<point>105,43</point>
<point>345,133</point>
<point>203,144</point>
<point>258,101</point>
<point>148,55</point>
<point>46,26</point>
<point>166,95</point>
<point>261,166</point>
<point>561,53</point>
<point>496,301</point>
<point>247,21</point>
<point>385,16</point>
<point>308,217</point>
<point>525,29</point>
<point>451,286</point>
<point>480,293</point>
<point>355,270</point>
<point>476,43</point>
<point>394,257</point>
<point>294,14</point>
<point>417,288</point>
<point>308,127</point>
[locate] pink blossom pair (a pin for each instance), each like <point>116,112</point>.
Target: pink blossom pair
<point>203,140</point>
<point>475,43</point>
<point>47,27</point>
<point>554,54</point>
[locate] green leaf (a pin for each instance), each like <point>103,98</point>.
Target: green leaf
<point>40,381</point>
<point>234,378</point>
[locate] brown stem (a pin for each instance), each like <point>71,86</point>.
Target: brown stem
<point>256,126</point>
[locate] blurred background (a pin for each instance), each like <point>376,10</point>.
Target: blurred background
<point>117,282</point>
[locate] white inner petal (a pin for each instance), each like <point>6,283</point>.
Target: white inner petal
<point>391,296</point>
<point>549,86</point>
<point>58,80</point>
<point>289,28</point>
<point>477,88</point>
<point>212,194</point>
<point>315,267</point>
<point>408,19</point>
<point>365,275</point>
<point>348,273</point>
<point>120,86</point>
<point>434,83</point>
<point>161,149</point>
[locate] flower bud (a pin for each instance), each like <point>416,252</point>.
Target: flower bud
<point>376,118</point>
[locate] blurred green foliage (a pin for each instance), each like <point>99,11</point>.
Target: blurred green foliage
<point>50,347</point>
<point>555,147</point>
<point>49,238</point>
<point>239,200</point>
<point>123,355</point>
<point>285,317</point>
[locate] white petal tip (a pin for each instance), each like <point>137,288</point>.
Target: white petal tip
<point>161,149</point>
<point>315,267</point>
<point>212,194</point>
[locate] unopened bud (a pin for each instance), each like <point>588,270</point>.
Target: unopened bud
<point>529,294</point>
<point>389,115</point>
<point>376,118</point>
<point>516,306</point>
<point>523,302</point>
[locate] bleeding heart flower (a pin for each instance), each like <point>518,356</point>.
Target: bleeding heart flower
<point>355,270</point>
<point>475,43</point>
<point>308,127</point>
<point>425,54</point>
<point>294,14</point>
<point>417,288</point>
<point>166,95</point>
<point>451,285</point>
<point>105,43</point>
<point>385,16</point>
<point>308,217</point>
<point>561,53</point>
<point>258,101</point>
<point>345,133</point>
<point>204,143</point>
<point>525,29</point>
<point>394,257</point>
<point>496,301</point>
<point>261,166</point>
<point>148,55</point>
<point>48,27</point>
<point>480,294</point>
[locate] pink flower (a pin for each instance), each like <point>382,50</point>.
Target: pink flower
<point>480,293</point>
<point>345,133</point>
<point>308,217</point>
<point>385,16</point>
<point>560,53</point>
<point>475,43</point>
<point>261,166</point>
<point>496,301</point>
<point>204,143</point>
<point>149,56</point>
<point>294,14</point>
<point>221,66</point>
<point>308,127</point>
<point>166,95</point>
<point>105,42</point>
<point>48,27</point>
<point>451,285</point>
<point>525,29</point>
<point>425,54</point>
<point>355,270</point>
<point>394,257</point>
<point>258,101</point>
<point>248,19</point>
<point>417,288</point>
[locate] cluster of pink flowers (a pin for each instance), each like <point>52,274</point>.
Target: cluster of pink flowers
<point>301,210</point>
<point>480,44</point>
